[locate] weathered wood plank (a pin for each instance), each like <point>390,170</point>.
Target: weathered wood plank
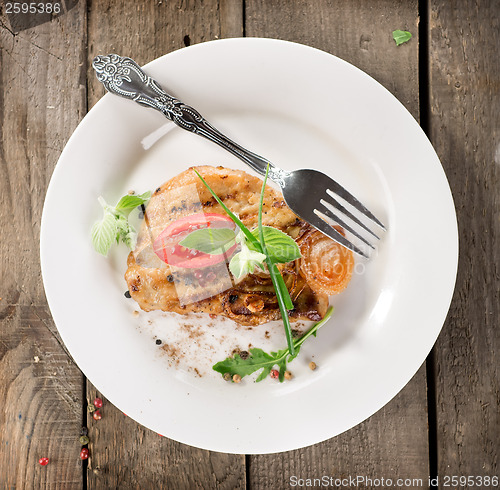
<point>41,103</point>
<point>147,30</point>
<point>465,130</point>
<point>41,393</point>
<point>359,32</point>
<point>124,454</point>
<point>394,442</point>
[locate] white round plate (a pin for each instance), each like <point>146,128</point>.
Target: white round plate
<point>299,107</point>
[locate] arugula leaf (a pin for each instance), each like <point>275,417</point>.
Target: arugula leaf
<point>281,248</point>
<point>114,225</point>
<point>401,36</point>
<point>213,241</point>
<point>259,359</point>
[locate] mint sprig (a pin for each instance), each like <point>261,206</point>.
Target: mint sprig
<point>114,225</point>
<point>259,359</point>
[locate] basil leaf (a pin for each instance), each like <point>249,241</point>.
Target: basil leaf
<point>235,218</point>
<point>281,248</point>
<point>214,241</point>
<point>401,36</point>
<point>104,233</point>
<point>129,202</point>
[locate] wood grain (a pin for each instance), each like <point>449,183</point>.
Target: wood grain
<point>394,442</point>
<point>123,453</point>
<point>357,31</point>
<point>41,102</point>
<point>465,130</point>
<point>149,29</point>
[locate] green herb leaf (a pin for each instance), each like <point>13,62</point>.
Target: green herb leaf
<point>115,225</point>
<point>259,359</point>
<point>281,248</point>
<point>245,261</point>
<point>282,294</point>
<point>129,202</point>
<point>236,365</point>
<point>235,218</point>
<point>401,36</point>
<point>104,233</point>
<point>214,241</point>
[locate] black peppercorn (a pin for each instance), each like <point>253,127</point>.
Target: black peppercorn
<point>158,342</point>
<point>127,294</point>
<point>233,298</point>
<point>244,354</point>
<point>170,278</point>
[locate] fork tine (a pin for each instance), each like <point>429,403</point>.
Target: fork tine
<point>319,222</point>
<point>330,214</point>
<point>342,209</point>
<point>336,188</point>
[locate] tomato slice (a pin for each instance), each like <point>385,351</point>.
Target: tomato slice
<point>167,248</point>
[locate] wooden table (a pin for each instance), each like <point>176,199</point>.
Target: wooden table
<point>444,422</point>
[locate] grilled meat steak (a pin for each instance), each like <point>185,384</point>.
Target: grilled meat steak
<point>252,301</point>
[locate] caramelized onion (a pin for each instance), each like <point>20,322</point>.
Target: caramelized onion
<point>326,265</point>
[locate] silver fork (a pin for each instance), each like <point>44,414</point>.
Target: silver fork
<point>327,204</point>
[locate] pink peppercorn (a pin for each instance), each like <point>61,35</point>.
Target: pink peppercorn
<point>97,415</point>
<point>84,453</point>
<point>98,403</point>
<point>44,461</point>
<point>275,374</point>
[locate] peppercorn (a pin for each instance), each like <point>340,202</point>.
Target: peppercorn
<point>170,278</point>
<point>236,378</point>
<point>84,453</point>
<point>84,440</point>
<point>275,374</point>
<point>98,403</point>
<point>226,376</point>
<point>97,415</point>
<point>84,431</point>
<point>233,298</point>
<point>312,365</point>
<point>244,354</point>
<point>288,375</point>
<point>91,408</point>
<point>158,342</point>
<point>127,294</point>
<point>44,461</point>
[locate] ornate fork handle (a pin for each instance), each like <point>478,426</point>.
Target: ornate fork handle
<point>123,76</point>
